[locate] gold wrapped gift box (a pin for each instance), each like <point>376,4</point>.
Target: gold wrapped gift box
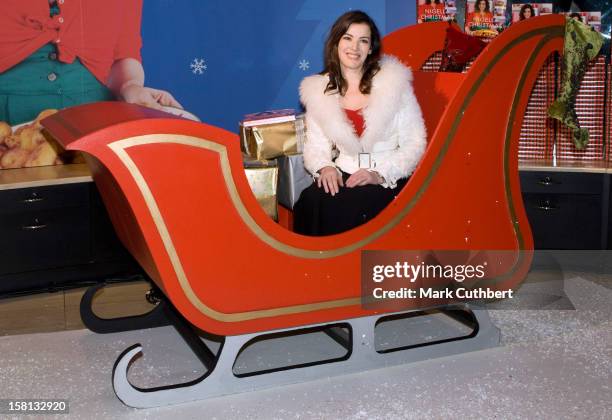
<point>269,141</point>
<point>263,179</point>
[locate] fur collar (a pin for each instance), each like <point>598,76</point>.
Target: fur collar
<point>388,86</point>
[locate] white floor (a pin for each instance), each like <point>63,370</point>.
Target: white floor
<point>552,364</point>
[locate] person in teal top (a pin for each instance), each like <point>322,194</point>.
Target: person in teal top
<point>41,82</point>
<point>83,51</point>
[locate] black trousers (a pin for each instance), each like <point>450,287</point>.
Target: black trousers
<point>317,213</point>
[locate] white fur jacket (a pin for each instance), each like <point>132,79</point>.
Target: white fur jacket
<point>394,131</point>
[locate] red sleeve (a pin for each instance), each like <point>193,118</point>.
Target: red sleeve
<point>129,41</point>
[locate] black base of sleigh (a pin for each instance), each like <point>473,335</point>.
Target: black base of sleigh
<point>350,346</point>
<point>157,317</point>
<point>239,363</point>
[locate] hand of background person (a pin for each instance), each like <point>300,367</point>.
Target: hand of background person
<point>363,177</point>
<point>330,179</point>
<point>126,80</point>
<point>152,98</point>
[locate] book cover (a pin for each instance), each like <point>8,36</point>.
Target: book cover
<point>435,10</point>
<point>485,18</point>
<point>269,117</point>
<point>522,11</point>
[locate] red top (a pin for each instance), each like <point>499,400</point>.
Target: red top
<point>356,118</point>
<point>480,19</point>
<point>98,32</point>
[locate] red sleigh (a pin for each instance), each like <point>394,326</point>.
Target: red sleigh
<point>178,198</point>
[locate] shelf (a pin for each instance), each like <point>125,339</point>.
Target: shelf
<point>43,176</point>
<point>566,166</point>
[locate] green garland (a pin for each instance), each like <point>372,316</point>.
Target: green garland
<point>582,44</point>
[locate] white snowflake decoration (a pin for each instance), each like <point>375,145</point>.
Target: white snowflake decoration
<point>198,66</point>
<point>304,65</point>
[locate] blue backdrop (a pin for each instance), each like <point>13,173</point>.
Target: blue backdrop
<point>225,58</point>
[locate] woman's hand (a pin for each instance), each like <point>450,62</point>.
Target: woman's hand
<point>152,98</point>
<point>126,81</point>
<point>363,177</point>
<point>330,179</point>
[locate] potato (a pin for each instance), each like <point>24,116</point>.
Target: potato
<point>5,130</point>
<point>28,145</point>
<point>44,154</point>
<point>3,149</point>
<point>23,127</point>
<point>30,137</point>
<point>14,158</point>
<point>12,141</point>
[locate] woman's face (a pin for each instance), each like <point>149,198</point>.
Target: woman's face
<point>527,13</point>
<point>481,5</point>
<point>354,46</point>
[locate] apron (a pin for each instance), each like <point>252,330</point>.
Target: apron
<point>42,82</point>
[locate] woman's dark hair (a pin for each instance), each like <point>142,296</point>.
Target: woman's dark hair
<point>522,12</point>
<point>576,15</point>
<point>433,1</point>
<point>332,60</point>
<point>476,9</point>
